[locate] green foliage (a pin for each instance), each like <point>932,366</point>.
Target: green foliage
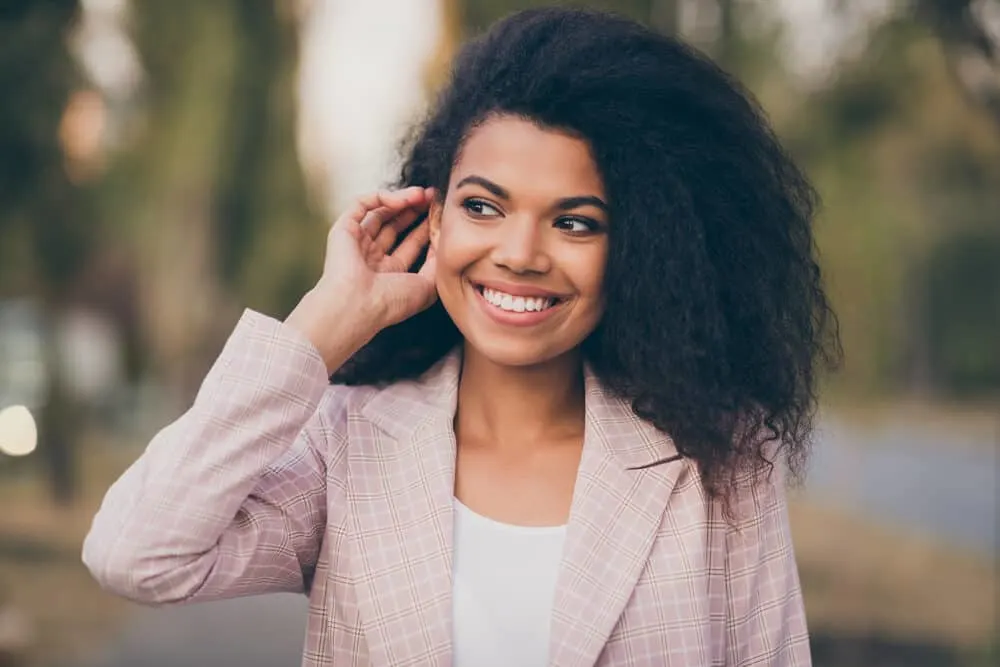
<point>478,15</point>
<point>961,314</point>
<point>41,76</point>
<point>906,166</point>
<point>44,232</point>
<point>272,236</point>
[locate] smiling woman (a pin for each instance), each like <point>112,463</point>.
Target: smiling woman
<point>530,413</point>
<point>712,320</point>
<point>523,216</point>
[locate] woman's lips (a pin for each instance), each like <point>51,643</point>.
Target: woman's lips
<point>514,318</point>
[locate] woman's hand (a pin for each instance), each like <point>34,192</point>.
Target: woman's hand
<point>366,284</point>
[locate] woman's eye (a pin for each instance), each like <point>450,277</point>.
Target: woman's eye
<point>480,208</point>
<point>576,225</point>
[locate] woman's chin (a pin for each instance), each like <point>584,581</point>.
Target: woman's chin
<point>513,353</point>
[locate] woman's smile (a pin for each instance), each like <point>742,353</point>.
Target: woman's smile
<point>517,305</point>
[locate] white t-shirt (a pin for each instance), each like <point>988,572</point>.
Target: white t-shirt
<point>504,589</point>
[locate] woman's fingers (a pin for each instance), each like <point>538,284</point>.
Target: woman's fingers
<point>411,246</point>
<point>357,213</point>
<point>394,201</point>
<point>393,227</point>
<point>378,219</point>
<point>375,218</point>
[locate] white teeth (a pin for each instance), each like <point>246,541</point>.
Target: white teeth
<point>517,304</point>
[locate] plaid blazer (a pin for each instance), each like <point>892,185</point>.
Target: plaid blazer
<point>276,481</point>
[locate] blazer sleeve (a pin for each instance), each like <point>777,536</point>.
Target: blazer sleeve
<point>230,499</point>
<point>766,623</point>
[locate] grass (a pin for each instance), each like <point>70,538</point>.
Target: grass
<point>865,580</point>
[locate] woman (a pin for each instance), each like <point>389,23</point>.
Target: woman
<point>550,437</point>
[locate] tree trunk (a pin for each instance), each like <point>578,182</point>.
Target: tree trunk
<point>59,421</point>
<point>728,35</point>
<point>38,202</point>
<point>224,215</point>
<point>973,55</point>
<point>188,48</point>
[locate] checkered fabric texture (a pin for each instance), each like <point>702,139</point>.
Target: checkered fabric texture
<point>275,481</point>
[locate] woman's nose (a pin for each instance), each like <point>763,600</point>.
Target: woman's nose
<point>520,247</point>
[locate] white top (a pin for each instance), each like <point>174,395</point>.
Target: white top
<point>504,589</point>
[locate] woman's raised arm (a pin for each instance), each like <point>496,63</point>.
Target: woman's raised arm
<point>230,499</point>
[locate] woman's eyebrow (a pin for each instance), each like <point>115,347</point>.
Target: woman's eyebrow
<point>485,183</point>
<point>565,204</point>
<point>584,200</point>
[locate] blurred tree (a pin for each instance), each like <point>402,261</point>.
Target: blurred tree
<point>907,168</point>
<point>219,212</point>
<point>46,231</point>
<point>741,36</point>
<point>728,36</point>
<point>665,16</point>
<point>972,51</point>
<point>961,311</point>
<point>477,15</point>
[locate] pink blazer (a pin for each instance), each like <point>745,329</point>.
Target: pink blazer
<point>276,481</point>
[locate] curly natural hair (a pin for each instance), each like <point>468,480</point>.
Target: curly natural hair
<point>716,318</point>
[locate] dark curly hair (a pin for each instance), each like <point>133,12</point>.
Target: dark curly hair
<point>716,318</point>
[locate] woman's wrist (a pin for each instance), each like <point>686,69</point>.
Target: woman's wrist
<point>336,328</point>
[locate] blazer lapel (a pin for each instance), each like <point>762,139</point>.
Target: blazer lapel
<point>401,465</point>
<point>618,505</point>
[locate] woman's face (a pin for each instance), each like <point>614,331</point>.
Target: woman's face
<point>521,242</point>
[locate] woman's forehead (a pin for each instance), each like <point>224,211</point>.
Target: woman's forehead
<point>521,155</point>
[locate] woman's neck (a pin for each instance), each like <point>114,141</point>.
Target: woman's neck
<point>513,408</point>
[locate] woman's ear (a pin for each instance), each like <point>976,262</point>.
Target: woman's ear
<point>434,220</point>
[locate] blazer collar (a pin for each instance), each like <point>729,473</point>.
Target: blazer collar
<point>403,407</point>
<point>400,490</point>
<point>619,500</point>
<point>633,442</point>
<point>402,486</point>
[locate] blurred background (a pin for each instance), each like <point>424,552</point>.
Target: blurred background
<point>165,164</point>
